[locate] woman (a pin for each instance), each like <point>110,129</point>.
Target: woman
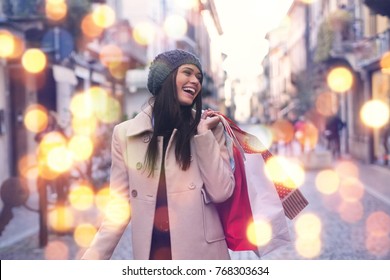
<point>171,163</point>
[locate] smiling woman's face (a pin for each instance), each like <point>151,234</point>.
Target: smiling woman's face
<point>188,84</point>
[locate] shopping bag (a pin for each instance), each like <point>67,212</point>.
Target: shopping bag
<point>293,201</point>
<point>253,218</point>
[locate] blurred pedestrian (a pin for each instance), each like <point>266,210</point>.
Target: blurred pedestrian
<point>171,164</point>
<point>333,128</point>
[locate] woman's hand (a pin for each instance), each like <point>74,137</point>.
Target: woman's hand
<point>208,121</point>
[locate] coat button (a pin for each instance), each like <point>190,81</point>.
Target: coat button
<point>134,193</point>
<point>146,138</point>
<point>192,186</point>
<point>138,165</point>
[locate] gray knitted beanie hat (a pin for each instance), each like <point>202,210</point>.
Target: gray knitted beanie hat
<point>165,63</point>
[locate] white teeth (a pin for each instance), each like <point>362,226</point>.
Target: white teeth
<point>188,89</point>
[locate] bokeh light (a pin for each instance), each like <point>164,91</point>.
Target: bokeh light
<point>59,159</point>
<point>36,118</point>
<point>81,196</point>
<point>175,26</point>
<point>102,197</point>
<point>56,250</point>
<point>351,189</point>
<point>61,219</point>
<point>84,234</point>
<point>340,79</point>
<point>259,232</point>
<point>308,227</point>
<point>7,44</point>
<point>326,104</point>
<point>56,10</point>
<point>327,181</point>
<point>117,209</point>
<point>81,106</point>
<point>111,54</point>
<point>347,169</point>
<point>84,126</point>
<point>283,130</point>
<point>34,60</point>
<point>89,28</point>
<point>308,248</point>
<point>28,166</point>
<point>375,113</point>
<point>378,224</point>
<point>284,171</point>
<point>144,33</point>
<point>351,211</point>
<point>81,147</point>
<point>103,16</point>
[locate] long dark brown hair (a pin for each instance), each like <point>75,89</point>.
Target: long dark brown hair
<point>169,114</point>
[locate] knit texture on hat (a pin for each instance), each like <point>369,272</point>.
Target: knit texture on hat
<point>165,63</point>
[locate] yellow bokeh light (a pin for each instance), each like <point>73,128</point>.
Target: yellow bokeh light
<point>84,234</point>
<point>56,11</point>
<point>175,26</point>
<point>81,147</point>
<point>117,210</point>
<point>102,197</point>
<point>259,232</point>
<point>61,219</point>
<point>340,79</point>
<point>84,126</point>
<point>81,197</point>
<point>308,248</point>
<point>327,181</point>
<point>36,118</point>
<point>81,106</point>
<point>7,44</point>
<point>375,113</point>
<point>59,159</point>
<point>103,16</point>
<point>308,226</point>
<point>144,33</point>
<point>112,112</point>
<point>284,171</point>
<point>34,60</point>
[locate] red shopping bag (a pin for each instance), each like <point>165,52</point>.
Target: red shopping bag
<point>236,213</point>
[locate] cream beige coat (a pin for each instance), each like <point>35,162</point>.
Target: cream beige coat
<point>196,231</point>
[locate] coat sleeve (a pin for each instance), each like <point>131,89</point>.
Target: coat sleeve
<point>214,164</point>
<point>117,213</point>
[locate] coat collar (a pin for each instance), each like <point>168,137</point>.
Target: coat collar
<point>140,123</point>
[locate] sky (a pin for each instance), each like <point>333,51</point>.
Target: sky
<point>245,24</point>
